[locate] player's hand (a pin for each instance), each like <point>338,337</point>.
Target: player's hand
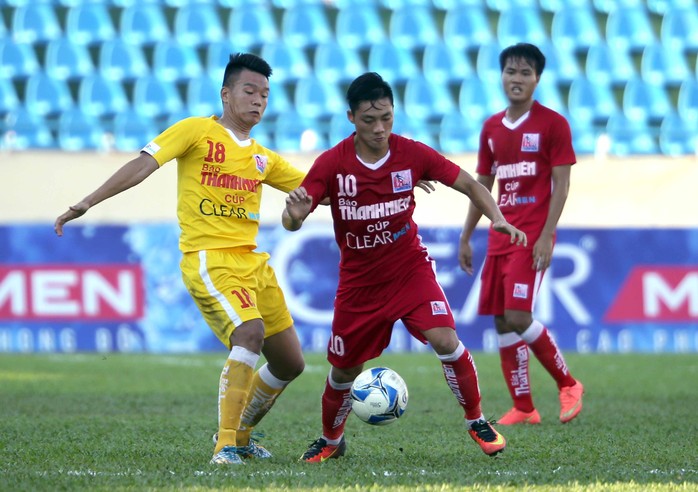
<point>426,185</point>
<point>77,210</point>
<point>465,256</point>
<point>298,204</point>
<point>542,253</point>
<point>517,237</point>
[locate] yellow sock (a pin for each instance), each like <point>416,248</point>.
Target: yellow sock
<point>263,393</point>
<point>233,389</point>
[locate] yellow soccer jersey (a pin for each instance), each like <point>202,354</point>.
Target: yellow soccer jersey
<point>219,182</point>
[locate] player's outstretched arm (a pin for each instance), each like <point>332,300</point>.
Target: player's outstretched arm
<point>129,175</point>
<point>482,199</point>
<point>298,204</point>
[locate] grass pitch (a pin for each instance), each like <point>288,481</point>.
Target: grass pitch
<point>144,422</point>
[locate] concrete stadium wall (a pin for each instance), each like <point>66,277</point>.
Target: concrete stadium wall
<point>654,191</point>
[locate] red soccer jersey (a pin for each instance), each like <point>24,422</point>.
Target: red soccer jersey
<point>372,206</point>
<point>522,156</point>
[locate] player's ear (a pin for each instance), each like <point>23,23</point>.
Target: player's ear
<point>350,115</point>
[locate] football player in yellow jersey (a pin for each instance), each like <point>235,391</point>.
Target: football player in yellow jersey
<point>220,173</point>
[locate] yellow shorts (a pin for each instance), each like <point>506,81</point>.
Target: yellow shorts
<point>234,286</point>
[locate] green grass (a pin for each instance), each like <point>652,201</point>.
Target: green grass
<point>144,422</point>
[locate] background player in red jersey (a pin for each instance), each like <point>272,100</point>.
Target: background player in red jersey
<point>528,149</point>
<point>385,272</point>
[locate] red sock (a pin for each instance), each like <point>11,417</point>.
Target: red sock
<point>514,360</point>
<point>336,405</point>
<point>461,377</point>
<point>545,349</point>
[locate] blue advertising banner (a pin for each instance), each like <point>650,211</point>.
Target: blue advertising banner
<point>118,288</point>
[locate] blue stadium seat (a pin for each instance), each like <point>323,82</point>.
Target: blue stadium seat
<point>687,103</point>
<point>144,24</point>
<point>487,63</point>
<point>520,24</point>
<point>678,29</point>
<point>630,136</point>
<point>664,66</point>
<point>279,102</point>
<point>427,100</point>
<point>355,4</point>
<point>663,7</point>
<point>289,64</point>
<point>133,131</point>
<point>296,132</point>
<point>100,96</point>
<point>305,26</point>
<point>339,128</point>
<point>154,98</point>
<point>359,28</point>
<point>89,24</point>
<point>413,28</point>
<point>28,130</point>
<point>394,5</point>
<point>467,28</point>
<point>644,101</point>
<point>446,5</point>
<point>176,62</point>
<point>66,60</point>
<point>317,99</point>
<point>335,63</point>
<point>502,6</point>
<point>549,95</point>
<point>608,6</point>
<point>555,5</point>
<point>560,66</point>
<point>9,101</point>
<point>250,26</point>
<point>584,136</point>
<point>458,134</point>
<point>35,23</point>
<point>285,4</point>
<point>591,103</point>
<point>119,60</point>
<point>415,129</point>
<point>629,29</point>
<point>78,131</point>
<point>17,60</point>
<point>443,63</point>
<point>217,56</point>
<point>608,66</point>
<point>574,29</point>
<point>203,97</point>
<point>396,64</point>
<point>198,25</point>
<point>477,100</point>
<point>677,136</point>
<point>46,96</point>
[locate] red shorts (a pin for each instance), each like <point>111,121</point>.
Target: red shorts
<point>364,316</point>
<point>509,283</point>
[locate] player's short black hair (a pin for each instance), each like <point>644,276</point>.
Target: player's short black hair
<point>368,87</point>
<point>528,52</point>
<point>240,61</point>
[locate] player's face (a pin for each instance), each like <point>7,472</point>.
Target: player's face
<point>246,100</point>
<point>519,80</point>
<point>373,121</point>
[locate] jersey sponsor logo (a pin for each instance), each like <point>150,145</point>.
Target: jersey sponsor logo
<point>373,211</point>
<point>402,181</point>
<point>71,292</point>
<point>229,181</point>
<point>261,161</point>
<point>152,148</point>
<point>516,170</point>
<point>529,143</point>
<point>657,293</point>
<point>520,291</point>
<point>438,307</point>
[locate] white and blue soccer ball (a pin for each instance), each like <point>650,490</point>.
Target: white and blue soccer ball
<point>379,396</point>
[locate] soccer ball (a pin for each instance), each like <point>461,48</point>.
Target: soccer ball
<point>378,396</point>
